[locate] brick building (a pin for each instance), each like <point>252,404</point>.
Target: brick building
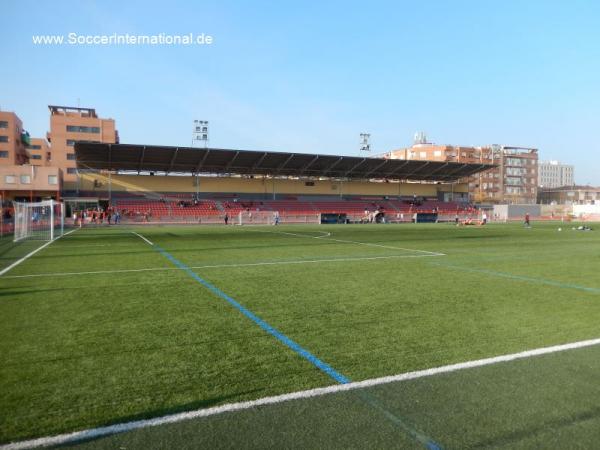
<point>514,180</point>
<point>70,124</point>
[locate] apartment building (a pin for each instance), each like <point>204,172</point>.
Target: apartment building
<point>39,152</point>
<point>553,174</point>
<point>70,124</point>
<point>13,140</point>
<point>570,195</point>
<point>29,183</point>
<point>514,180</point>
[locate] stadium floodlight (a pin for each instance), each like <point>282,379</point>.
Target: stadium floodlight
<point>39,220</point>
<point>200,132</point>
<point>365,144</point>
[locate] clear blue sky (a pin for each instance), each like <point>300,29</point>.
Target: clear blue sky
<point>310,76</point>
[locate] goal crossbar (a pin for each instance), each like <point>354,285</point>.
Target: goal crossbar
<point>39,220</point>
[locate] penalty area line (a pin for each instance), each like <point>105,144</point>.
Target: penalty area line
<point>327,237</point>
<point>317,392</point>
<point>222,266</point>
<point>140,236</point>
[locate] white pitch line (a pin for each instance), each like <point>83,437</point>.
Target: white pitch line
<point>173,418</point>
<point>327,238</point>
<point>219,266</point>
<point>30,254</point>
<point>139,235</point>
<point>388,246</point>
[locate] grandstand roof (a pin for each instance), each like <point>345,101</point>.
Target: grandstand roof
<point>155,158</point>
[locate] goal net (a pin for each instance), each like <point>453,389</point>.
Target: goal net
<point>40,220</point>
<point>258,217</point>
<point>275,218</point>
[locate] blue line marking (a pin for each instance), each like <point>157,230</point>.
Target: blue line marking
<point>261,323</point>
<point>420,437</point>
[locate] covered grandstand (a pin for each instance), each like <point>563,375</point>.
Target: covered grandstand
<point>158,183</point>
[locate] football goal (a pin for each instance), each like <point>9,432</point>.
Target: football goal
<point>274,218</point>
<point>39,220</point>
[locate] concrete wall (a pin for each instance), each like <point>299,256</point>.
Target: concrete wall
<point>507,212</point>
<point>583,210</point>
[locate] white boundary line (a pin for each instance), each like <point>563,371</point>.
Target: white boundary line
<point>30,254</point>
<point>219,266</point>
<point>139,235</point>
<point>173,418</point>
<point>327,237</point>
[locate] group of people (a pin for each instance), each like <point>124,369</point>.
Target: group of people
<point>374,216</point>
<point>96,216</point>
<point>470,221</point>
<point>484,220</point>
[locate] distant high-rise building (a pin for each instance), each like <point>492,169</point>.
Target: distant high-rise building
<point>553,174</point>
<point>514,180</point>
<point>69,125</point>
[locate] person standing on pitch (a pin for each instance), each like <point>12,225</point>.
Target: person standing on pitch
<point>527,220</point>
<point>226,218</point>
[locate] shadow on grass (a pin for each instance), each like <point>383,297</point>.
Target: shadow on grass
<point>16,293</point>
<point>555,425</point>
<point>6,247</point>
<point>192,406</point>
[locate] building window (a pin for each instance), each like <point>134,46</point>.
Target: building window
<point>71,156</point>
<point>437,153</point>
<point>82,129</point>
<point>34,147</point>
<point>3,138</point>
<point>25,179</point>
<point>52,179</point>
<point>3,124</point>
<point>71,142</point>
<point>10,179</point>
<point>71,170</point>
<point>36,156</point>
<point>4,154</point>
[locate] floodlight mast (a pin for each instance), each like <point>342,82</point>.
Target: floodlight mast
<point>200,133</point>
<point>365,142</point>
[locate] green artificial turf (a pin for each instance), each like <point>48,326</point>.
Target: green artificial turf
<point>85,350</point>
<point>549,401</point>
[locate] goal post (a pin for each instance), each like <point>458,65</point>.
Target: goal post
<point>43,220</point>
<point>275,218</point>
<point>257,217</point>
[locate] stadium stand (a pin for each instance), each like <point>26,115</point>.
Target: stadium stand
<point>183,205</point>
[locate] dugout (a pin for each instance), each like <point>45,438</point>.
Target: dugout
<point>334,218</point>
<point>426,217</point>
